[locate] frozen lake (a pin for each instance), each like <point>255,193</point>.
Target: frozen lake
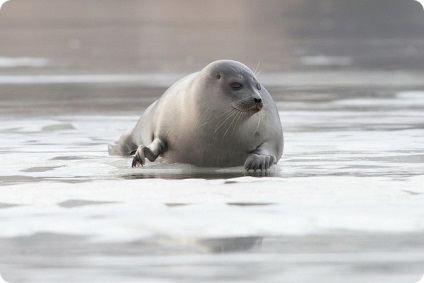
<point>344,204</point>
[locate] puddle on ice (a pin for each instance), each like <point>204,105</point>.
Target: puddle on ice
<point>180,171</point>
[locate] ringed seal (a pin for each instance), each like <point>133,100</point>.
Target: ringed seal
<point>218,117</point>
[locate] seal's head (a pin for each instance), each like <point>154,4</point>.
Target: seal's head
<point>237,84</point>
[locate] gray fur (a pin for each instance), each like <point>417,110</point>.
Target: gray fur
<point>202,121</point>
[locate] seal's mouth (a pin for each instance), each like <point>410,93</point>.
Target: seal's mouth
<point>248,105</point>
<point>258,107</point>
<point>254,109</point>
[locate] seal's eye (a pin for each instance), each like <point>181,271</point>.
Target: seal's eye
<point>236,86</point>
<point>258,86</point>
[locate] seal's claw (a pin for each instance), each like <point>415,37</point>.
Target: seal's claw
<point>139,158</point>
<point>137,162</point>
<point>259,162</point>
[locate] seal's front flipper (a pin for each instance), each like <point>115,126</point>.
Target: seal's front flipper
<point>259,162</point>
<point>261,158</point>
<point>151,152</point>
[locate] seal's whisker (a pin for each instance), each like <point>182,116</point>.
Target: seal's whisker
<point>257,67</point>
<point>229,110</point>
<point>259,122</point>
<point>238,72</point>
<point>236,123</point>
<point>235,116</point>
<point>229,116</point>
<point>258,73</point>
<point>204,124</point>
<point>212,118</point>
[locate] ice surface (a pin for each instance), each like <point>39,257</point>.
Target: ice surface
<point>352,166</point>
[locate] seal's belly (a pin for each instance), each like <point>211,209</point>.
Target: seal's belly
<point>209,155</point>
<point>203,147</point>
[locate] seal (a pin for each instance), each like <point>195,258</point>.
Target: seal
<point>220,116</point>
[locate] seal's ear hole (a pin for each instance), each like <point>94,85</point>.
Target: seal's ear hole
<point>218,76</point>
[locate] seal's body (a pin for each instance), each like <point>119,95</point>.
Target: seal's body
<point>218,117</point>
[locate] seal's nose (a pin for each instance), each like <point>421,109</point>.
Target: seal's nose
<point>258,103</point>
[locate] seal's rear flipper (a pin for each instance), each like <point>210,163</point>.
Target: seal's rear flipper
<point>124,146</point>
<point>151,152</point>
<point>116,149</point>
